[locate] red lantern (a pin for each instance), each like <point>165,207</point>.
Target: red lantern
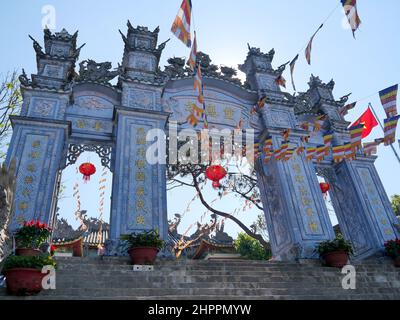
<point>215,173</point>
<point>87,169</point>
<point>324,187</point>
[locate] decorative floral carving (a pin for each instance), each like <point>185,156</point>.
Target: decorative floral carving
<point>75,150</point>
<point>44,107</point>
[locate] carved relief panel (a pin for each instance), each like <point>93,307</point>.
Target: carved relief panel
<point>60,49</point>
<point>349,211</point>
<point>142,62</point>
<point>267,82</point>
<point>38,150</point>
<point>44,106</point>
<point>305,199</point>
<point>138,190</point>
<point>281,117</point>
<point>374,199</point>
<point>221,109</point>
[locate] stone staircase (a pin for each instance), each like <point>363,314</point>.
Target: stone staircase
<point>114,278</point>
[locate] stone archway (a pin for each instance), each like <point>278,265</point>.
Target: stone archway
<point>58,111</point>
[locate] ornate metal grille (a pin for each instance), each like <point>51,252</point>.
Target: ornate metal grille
<point>103,151</point>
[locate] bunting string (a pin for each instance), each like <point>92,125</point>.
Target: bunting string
<point>102,188</point>
<point>76,193</point>
<point>350,8</point>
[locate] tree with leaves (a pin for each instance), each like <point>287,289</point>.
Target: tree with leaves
<point>395,199</point>
<point>10,104</point>
<point>250,248</point>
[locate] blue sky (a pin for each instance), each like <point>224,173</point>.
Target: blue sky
<point>224,27</point>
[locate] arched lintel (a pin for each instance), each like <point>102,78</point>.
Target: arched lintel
<point>103,90</point>
<point>219,84</point>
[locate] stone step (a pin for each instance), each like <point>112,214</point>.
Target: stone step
<point>209,263</point>
<point>112,259</point>
<point>211,298</point>
<point>392,273</point>
<point>250,277</point>
<point>322,270</point>
<point>158,276</point>
<point>194,292</point>
<point>79,295</point>
<point>114,278</point>
<point>212,285</point>
<point>203,263</point>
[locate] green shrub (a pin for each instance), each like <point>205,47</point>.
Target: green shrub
<point>337,244</point>
<point>250,248</point>
<point>392,248</point>
<point>144,239</point>
<point>34,262</point>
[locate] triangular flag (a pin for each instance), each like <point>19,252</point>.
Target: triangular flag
<point>181,26</point>
<point>350,9</point>
<point>389,100</point>
<point>309,46</point>
<point>292,65</point>
<point>193,54</point>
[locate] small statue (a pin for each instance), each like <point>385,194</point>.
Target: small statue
<point>36,46</point>
<point>162,45</point>
<point>345,98</point>
<point>23,78</point>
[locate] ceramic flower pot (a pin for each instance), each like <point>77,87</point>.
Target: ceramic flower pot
<point>24,281</point>
<point>27,252</point>
<point>337,259</point>
<point>143,255</point>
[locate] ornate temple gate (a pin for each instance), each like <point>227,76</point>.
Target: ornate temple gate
<point>64,114</point>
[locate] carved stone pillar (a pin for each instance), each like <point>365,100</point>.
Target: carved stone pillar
<point>37,146</point>
<point>362,206</point>
<point>295,211</point>
<point>139,189</point>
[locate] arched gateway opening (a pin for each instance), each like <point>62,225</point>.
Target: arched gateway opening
<point>65,113</point>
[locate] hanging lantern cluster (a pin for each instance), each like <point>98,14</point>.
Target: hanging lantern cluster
<point>215,173</point>
<point>324,188</point>
<point>87,169</point>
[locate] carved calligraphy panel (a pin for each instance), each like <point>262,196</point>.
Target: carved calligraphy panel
<point>374,199</point>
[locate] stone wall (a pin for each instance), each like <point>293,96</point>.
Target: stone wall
<point>7,187</point>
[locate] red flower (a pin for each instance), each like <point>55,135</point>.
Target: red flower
<point>53,248</point>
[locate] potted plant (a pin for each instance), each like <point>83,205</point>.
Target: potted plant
<point>24,273</point>
<point>392,248</point>
<point>30,237</point>
<point>143,247</point>
<point>335,252</point>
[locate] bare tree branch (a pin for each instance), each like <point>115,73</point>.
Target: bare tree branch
<point>227,215</point>
<point>10,104</point>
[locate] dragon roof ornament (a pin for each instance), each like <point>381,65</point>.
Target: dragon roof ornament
<point>315,81</point>
<point>253,51</point>
<point>90,70</point>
